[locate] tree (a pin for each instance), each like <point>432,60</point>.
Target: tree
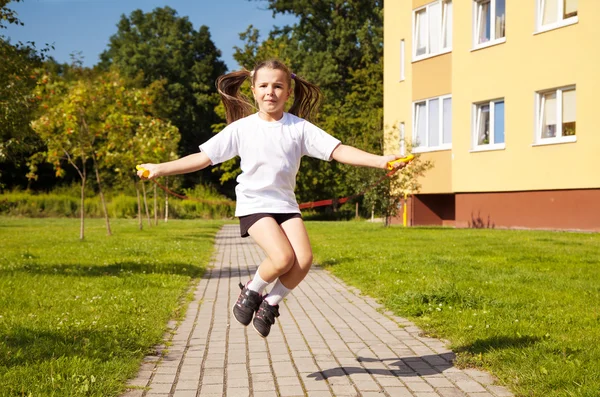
<point>96,119</point>
<point>136,137</point>
<point>386,195</point>
<point>18,76</point>
<point>6,14</point>
<point>156,141</point>
<point>337,45</point>
<point>163,46</point>
<point>63,129</point>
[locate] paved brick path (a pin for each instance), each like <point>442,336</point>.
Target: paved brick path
<point>328,341</point>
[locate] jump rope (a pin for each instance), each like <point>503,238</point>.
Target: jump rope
<point>390,166</point>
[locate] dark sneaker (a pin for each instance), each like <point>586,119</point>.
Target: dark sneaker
<point>247,303</point>
<point>265,317</point>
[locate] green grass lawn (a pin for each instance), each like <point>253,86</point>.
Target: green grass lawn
<point>524,305</point>
<point>76,318</point>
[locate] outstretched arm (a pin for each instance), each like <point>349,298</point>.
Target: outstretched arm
<point>184,165</point>
<point>353,156</point>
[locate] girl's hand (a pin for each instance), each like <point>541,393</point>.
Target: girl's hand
<point>392,157</point>
<point>148,171</point>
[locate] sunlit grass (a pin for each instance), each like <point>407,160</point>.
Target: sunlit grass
<point>76,318</point>
<point>523,304</point>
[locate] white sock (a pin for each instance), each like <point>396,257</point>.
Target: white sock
<point>257,284</point>
<point>277,294</point>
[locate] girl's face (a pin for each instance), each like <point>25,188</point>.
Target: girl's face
<point>271,91</point>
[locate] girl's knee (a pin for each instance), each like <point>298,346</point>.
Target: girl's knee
<point>283,261</point>
<point>305,261</point>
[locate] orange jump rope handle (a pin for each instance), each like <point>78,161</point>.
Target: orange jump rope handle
<point>407,159</point>
<point>145,172</point>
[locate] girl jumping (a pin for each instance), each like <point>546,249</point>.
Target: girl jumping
<point>270,144</point>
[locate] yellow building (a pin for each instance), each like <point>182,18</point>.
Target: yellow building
<point>499,95</point>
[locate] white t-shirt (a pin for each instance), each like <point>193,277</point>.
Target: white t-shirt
<point>270,154</point>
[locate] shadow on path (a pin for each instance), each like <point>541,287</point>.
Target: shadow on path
<point>409,366</point>
<point>425,365</point>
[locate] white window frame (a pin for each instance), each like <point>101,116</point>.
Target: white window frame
<point>539,111</point>
<point>476,114</point>
<point>560,21</point>
<point>402,60</point>
<point>444,20</point>
<point>476,24</point>
<point>418,147</point>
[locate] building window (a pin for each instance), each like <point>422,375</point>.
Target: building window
<point>432,29</point>
<point>488,125</point>
<point>556,115</point>
<point>489,22</point>
<point>433,124</point>
<point>553,14</point>
<point>402,61</point>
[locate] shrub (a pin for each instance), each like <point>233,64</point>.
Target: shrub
<point>60,204</point>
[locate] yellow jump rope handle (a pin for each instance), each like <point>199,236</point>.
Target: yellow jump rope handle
<point>145,171</point>
<point>407,159</point>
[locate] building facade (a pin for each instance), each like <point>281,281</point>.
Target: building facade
<point>500,96</point>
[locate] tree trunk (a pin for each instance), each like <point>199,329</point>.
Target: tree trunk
<point>106,219</point>
<point>82,217</point>
<point>166,201</point>
<point>146,203</point>
<point>82,175</point>
<point>155,207</point>
<point>139,202</point>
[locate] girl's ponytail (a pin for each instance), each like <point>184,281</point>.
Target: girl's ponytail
<point>307,99</point>
<point>236,104</point>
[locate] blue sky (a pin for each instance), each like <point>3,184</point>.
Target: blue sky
<point>86,25</point>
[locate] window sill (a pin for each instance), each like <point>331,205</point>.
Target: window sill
<point>431,149</point>
<point>555,141</point>
<point>556,25</point>
<point>488,148</point>
<point>488,44</point>
<point>423,57</point>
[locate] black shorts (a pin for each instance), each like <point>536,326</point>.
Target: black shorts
<point>248,220</point>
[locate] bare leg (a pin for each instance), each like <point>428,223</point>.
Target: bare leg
<point>274,242</point>
<point>296,233</point>
<point>289,258</point>
<point>297,236</point>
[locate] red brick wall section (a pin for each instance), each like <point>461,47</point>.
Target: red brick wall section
<point>433,209</point>
<point>554,209</point>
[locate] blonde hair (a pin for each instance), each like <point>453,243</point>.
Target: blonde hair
<point>307,96</point>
